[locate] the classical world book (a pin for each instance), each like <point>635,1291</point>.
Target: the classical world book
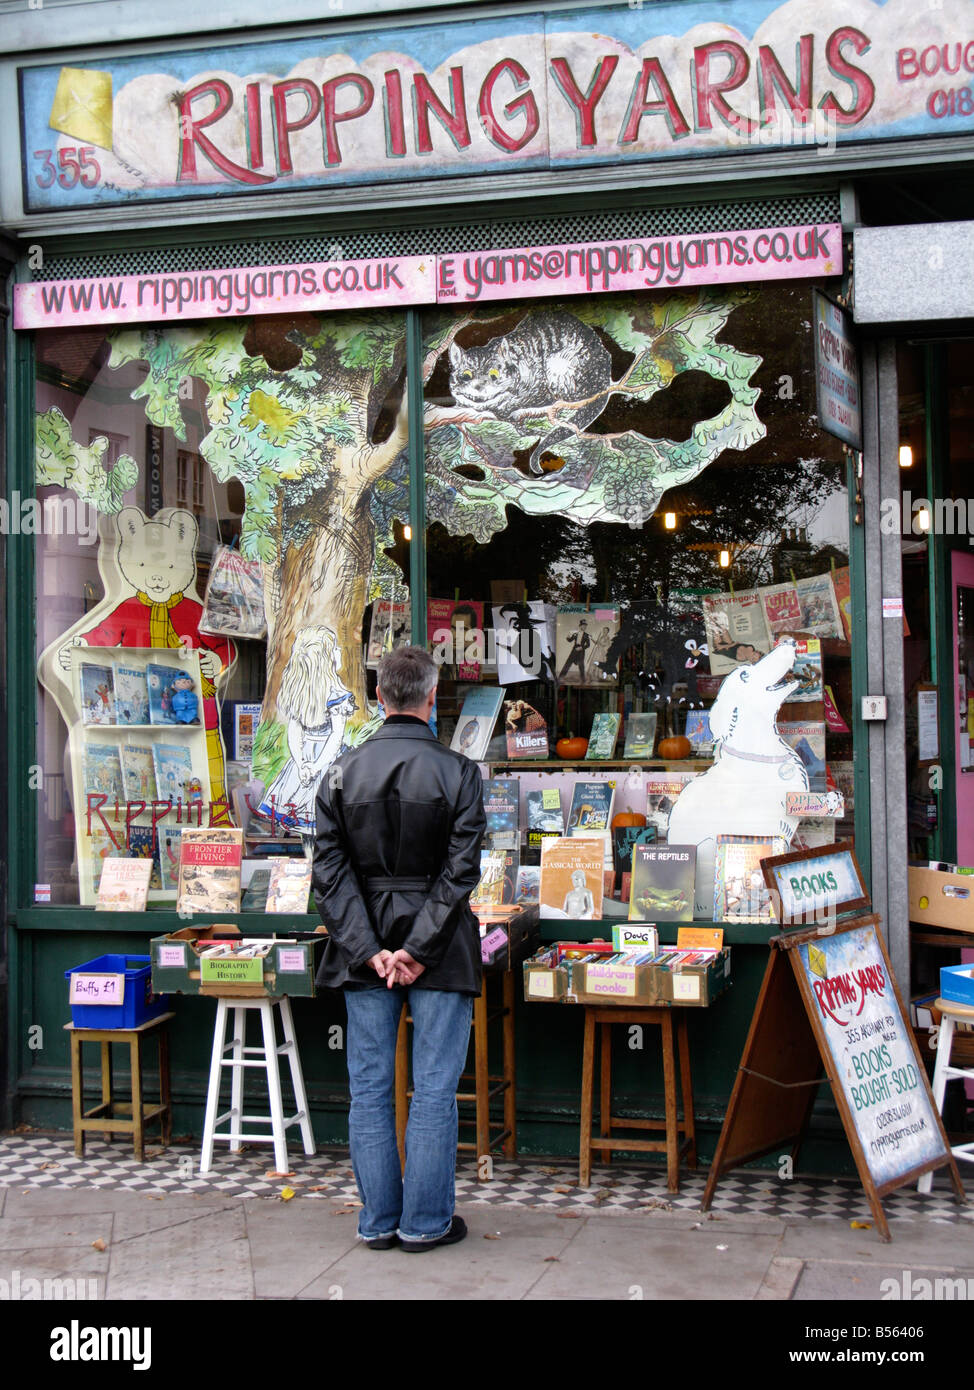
<point>209,869</point>
<point>572,880</point>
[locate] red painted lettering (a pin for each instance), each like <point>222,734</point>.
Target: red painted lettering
<point>524,102</point>
<point>639,106</point>
<point>191,134</point>
<point>861,83</point>
<point>584,103</point>
<point>709,92</point>
<point>331,115</point>
<point>282,126</point>
<point>907,66</point>
<point>392,110</point>
<point>255,131</point>
<point>771,77</point>
<point>453,118</point>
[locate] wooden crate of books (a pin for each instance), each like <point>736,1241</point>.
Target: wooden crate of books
<point>217,960</point>
<point>595,973</point>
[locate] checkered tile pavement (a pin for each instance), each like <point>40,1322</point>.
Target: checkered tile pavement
<point>39,1160</point>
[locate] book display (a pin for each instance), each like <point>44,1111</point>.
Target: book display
<point>209,869</point>
<point>141,775</point>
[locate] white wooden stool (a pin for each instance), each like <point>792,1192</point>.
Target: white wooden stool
<point>265,1056</point>
<point>951,1015</point>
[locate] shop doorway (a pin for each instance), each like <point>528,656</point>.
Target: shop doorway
<point>962,607</point>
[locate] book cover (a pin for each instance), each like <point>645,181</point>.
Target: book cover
<point>498,880</point>
<point>143,844</point>
<point>737,633</point>
<point>602,739</point>
<point>209,869</point>
<point>571,881</point>
<point>740,893</point>
<point>524,638</point>
<point>526,730</point>
<point>591,806</point>
<point>833,717</point>
<point>290,885</point>
<point>99,846</point>
<point>820,609</point>
<point>807,670</point>
<point>661,886</point>
<point>131,696</point>
<point>624,839</point>
<point>543,809</point>
<point>455,628</point>
<point>843,597</point>
<point>501,807</point>
<point>124,885</point>
<point>174,771</point>
<point>662,790</point>
<point>168,852</point>
<point>478,716</point>
<point>640,735</point>
<point>698,732</point>
<point>528,889</point>
<point>138,772</point>
<point>813,832</point>
<point>782,611</point>
<point>246,717</point>
<point>103,770</point>
<point>390,628</point>
<point>808,741</point>
<point>160,680</point>
<point>604,838</point>
<point>842,773</point>
<point>255,894</point>
<point>583,637</point>
<point>97,693</point>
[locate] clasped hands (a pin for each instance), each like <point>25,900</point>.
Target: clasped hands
<point>396,967</point>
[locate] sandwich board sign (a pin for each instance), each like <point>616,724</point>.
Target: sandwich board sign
<point>829,1000</point>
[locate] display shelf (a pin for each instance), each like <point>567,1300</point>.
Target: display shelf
<point>581,764</point>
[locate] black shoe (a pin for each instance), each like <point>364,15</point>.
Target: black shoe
<point>457,1232</point>
<point>382,1242</point>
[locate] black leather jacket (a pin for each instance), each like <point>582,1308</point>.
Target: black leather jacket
<point>397,853</point>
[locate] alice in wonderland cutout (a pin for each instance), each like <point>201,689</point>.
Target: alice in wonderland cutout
<point>148,569</point>
<point>316,705</point>
<point>745,791</point>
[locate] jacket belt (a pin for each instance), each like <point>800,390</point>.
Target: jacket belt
<point>398,885</point>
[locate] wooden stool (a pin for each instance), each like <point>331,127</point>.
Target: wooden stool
<point>607,1015</point>
<point>951,1014</point>
<point>241,1057</point>
<point>103,1118</point>
<point>485,1087</point>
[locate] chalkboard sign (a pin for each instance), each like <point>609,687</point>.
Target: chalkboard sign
<point>829,999</point>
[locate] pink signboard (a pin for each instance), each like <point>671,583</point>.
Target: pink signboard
<point>774,253</point>
<point>208,294</point>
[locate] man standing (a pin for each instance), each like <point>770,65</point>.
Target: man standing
<point>397,852</point>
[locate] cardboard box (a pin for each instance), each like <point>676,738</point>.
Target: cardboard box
<point>288,968</point>
<point>941,899</point>
<point>559,974</point>
<point>548,975</point>
<point>957,984</point>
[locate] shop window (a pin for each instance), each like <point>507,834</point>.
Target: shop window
<point>645,481</point>
<point>273,449</point>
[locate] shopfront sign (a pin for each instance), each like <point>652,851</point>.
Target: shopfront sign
<point>615,84</point>
<point>774,253</point>
<point>836,371</point>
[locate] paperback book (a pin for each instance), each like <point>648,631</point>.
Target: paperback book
<point>640,735</point>
<point>174,772</point>
<point>501,807</point>
<point>390,628</point>
<point>103,771</point>
<point>698,732</point>
<point>808,741</point>
<point>255,894</point>
<point>591,806</point>
<point>737,632</point>
<point>843,597</point>
<point>209,869</point>
<point>526,730</point>
<point>246,717</point>
<point>455,628</point>
<point>624,840</point>
<point>168,850</point>
<point>583,638</point>
<point>524,636</point>
<point>571,881</point>
<point>527,892</point>
<point>807,670</point>
<point>138,772</point>
<point>100,846</point>
<point>740,892</point>
<point>97,694</point>
<point>290,885</point>
<point>478,716</point>
<point>662,790</point>
<point>131,696</point>
<point>161,681</point>
<point>142,844</point>
<point>661,887</point>
<point>124,885</point>
<point>602,739</point>
<point>498,881</point>
<point>544,810</point>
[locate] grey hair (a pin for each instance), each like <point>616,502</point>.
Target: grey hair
<point>406,676</point>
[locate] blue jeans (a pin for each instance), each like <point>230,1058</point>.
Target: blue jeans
<point>418,1203</point>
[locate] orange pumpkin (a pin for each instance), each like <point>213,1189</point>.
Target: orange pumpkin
<point>627,818</point>
<point>674,748</point>
<point>571,749</point>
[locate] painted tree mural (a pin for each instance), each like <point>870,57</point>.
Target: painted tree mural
<point>308,414</point>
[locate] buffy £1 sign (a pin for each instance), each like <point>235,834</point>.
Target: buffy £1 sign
<point>875,1064</point>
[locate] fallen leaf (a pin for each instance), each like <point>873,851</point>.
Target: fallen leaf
<point>563,1189</point>
<point>323,1187</point>
<point>551,1260</point>
<point>490,1236</point>
<point>569,1215</point>
<point>343,1211</point>
<point>861,1225</point>
<point>287,1193</point>
<point>98,1244</point>
<point>274,1174</point>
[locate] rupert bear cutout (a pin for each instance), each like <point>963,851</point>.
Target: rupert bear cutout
<point>151,601</point>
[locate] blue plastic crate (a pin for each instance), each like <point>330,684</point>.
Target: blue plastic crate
<point>138,1004</point>
<point>957,984</point>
